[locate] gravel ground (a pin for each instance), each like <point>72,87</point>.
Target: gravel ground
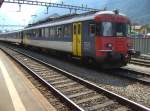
<point>140,68</point>
<point>130,89</point>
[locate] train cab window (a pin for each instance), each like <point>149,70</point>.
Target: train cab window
<point>92,29</point>
<point>121,29</point>
<point>107,28</point>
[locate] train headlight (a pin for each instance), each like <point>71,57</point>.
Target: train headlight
<point>109,45</point>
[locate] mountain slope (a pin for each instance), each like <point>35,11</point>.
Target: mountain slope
<point>137,10</point>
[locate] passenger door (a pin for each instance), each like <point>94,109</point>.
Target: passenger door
<point>77,39</point>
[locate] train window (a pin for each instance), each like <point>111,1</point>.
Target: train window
<point>33,32</point>
<point>55,32</point>
<point>18,35</point>
<point>92,29</point>
<point>50,32</point>
<point>107,29</point>
<point>74,29</point>
<point>128,30</point>
<point>121,29</point>
<point>99,29</point>
<point>29,33</point>
<point>46,32</point>
<point>111,29</point>
<point>36,33</point>
<point>79,28</point>
<point>67,30</point>
<point>40,33</point>
<point>24,33</point>
<point>59,32</point>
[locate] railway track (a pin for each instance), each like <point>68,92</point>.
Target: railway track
<point>140,62</point>
<point>79,94</point>
<point>131,74</point>
<point>146,57</point>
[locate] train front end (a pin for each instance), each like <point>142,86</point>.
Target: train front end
<point>112,44</point>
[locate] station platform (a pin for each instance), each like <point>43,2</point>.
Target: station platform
<point>17,93</point>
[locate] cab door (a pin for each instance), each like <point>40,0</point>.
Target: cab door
<point>77,39</point>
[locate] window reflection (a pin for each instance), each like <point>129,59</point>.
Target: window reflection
<point>107,29</point>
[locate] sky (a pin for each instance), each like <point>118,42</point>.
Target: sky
<point>11,10</point>
<point>10,14</point>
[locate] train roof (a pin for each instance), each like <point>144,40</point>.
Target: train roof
<point>64,21</point>
<point>109,12</point>
<point>81,17</point>
<point>16,31</point>
<point>68,20</point>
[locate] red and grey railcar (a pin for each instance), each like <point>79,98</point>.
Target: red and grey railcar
<point>101,37</point>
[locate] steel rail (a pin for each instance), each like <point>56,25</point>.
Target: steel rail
<point>132,74</point>
<point>140,62</point>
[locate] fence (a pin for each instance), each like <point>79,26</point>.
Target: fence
<point>142,45</point>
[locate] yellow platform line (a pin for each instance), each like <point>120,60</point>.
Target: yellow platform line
<point>17,103</point>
